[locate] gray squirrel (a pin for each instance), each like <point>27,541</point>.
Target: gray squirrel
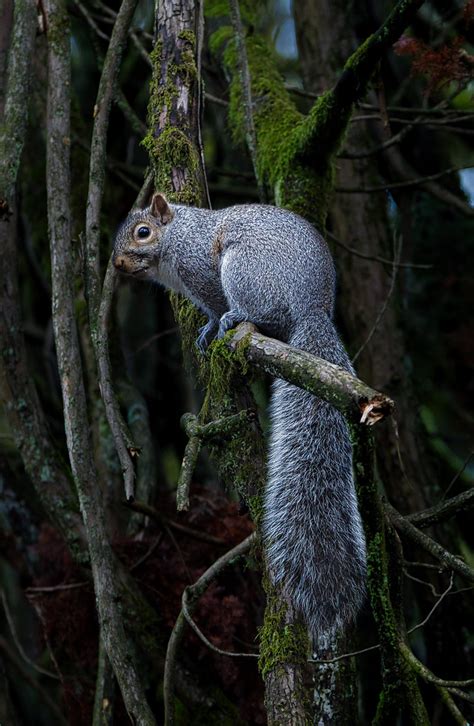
<point>269,266</point>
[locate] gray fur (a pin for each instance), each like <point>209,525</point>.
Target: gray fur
<point>269,266</point>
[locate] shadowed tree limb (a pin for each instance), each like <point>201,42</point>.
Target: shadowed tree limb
<point>194,592</point>
<point>441,512</point>
<point>102,107</point>
<point>427,543</point>
<point>320,134</point>
<point>105,571</point>
<point>49,475</point>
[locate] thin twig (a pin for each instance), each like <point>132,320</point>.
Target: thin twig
<point>375,258</point>
<point>427,543</point>
<point>397,250</point>
<point>148,553</point>
<point>163,521</point>
<point>377,645</point>
<point>178,631</point>
<point>435,606</point>
<point>457,475</point>
<point>89,19</point>
<point>28,677</point>
<point>200,634</point>
<point>19,647</point>
<point>246,83</point>
<point>419,181</point>
<point>56,588</point>
<point>216,99</point>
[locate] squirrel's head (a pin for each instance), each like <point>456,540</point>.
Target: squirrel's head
<point>137,244</point>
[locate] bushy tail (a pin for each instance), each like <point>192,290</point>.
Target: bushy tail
<point>312,527</point>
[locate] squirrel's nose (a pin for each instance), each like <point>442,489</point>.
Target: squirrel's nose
<point>119,262</point>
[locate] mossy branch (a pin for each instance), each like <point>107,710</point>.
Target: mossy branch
<point>295,153</point>
<point>323,129</point>
<point>328,381</point>
<point>198,435</point>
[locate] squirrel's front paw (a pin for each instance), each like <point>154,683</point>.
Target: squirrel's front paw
<point>206,335</point>
<point>230,320</point>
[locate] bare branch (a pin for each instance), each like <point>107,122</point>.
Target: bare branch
<point>397,251</point>
<point>200,634</point>
<point>435,606</point>
<point>26,675</point>
<point>14,634</point>
<point>246,92</point>
<point>104,566</point>
<point>440,512</point>
<point>195,592</point>
<point>429,544</point>
<point>418,181</point>
<point>375,258</point>
<point>163,521</point>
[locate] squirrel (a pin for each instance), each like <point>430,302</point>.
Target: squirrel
<point>269,266</point>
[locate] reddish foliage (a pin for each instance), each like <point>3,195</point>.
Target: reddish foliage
<point>228,612</point>
<point>69,624</point>
<point>468,12</point>
<point>449,63</point>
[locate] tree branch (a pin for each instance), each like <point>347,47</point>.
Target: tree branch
<point>440,512</point>
<point>328,118</point>
<point>103,103</point>
<point>22,407</point>
<point>246,92</point>
<point>429,544</point>
<point>194,593</point>
<point>326,380</point>
<point>124,446</point>
<point>104,567</point>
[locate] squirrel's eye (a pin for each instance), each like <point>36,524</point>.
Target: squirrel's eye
<point>143,232</point>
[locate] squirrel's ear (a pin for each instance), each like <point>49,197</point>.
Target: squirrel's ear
<point>160,208</point>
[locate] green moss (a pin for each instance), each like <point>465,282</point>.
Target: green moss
<point>189,320</point>
<point>282,132</point>
<point>216,8</point>
<point>58,31</point>
<point>170,150</point>
<point>171,147</point>
<point>236,454</point>
<point>280,642</point>
<point>220,38</point>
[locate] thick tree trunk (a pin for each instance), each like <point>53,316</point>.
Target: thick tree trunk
<point>326,36</point>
